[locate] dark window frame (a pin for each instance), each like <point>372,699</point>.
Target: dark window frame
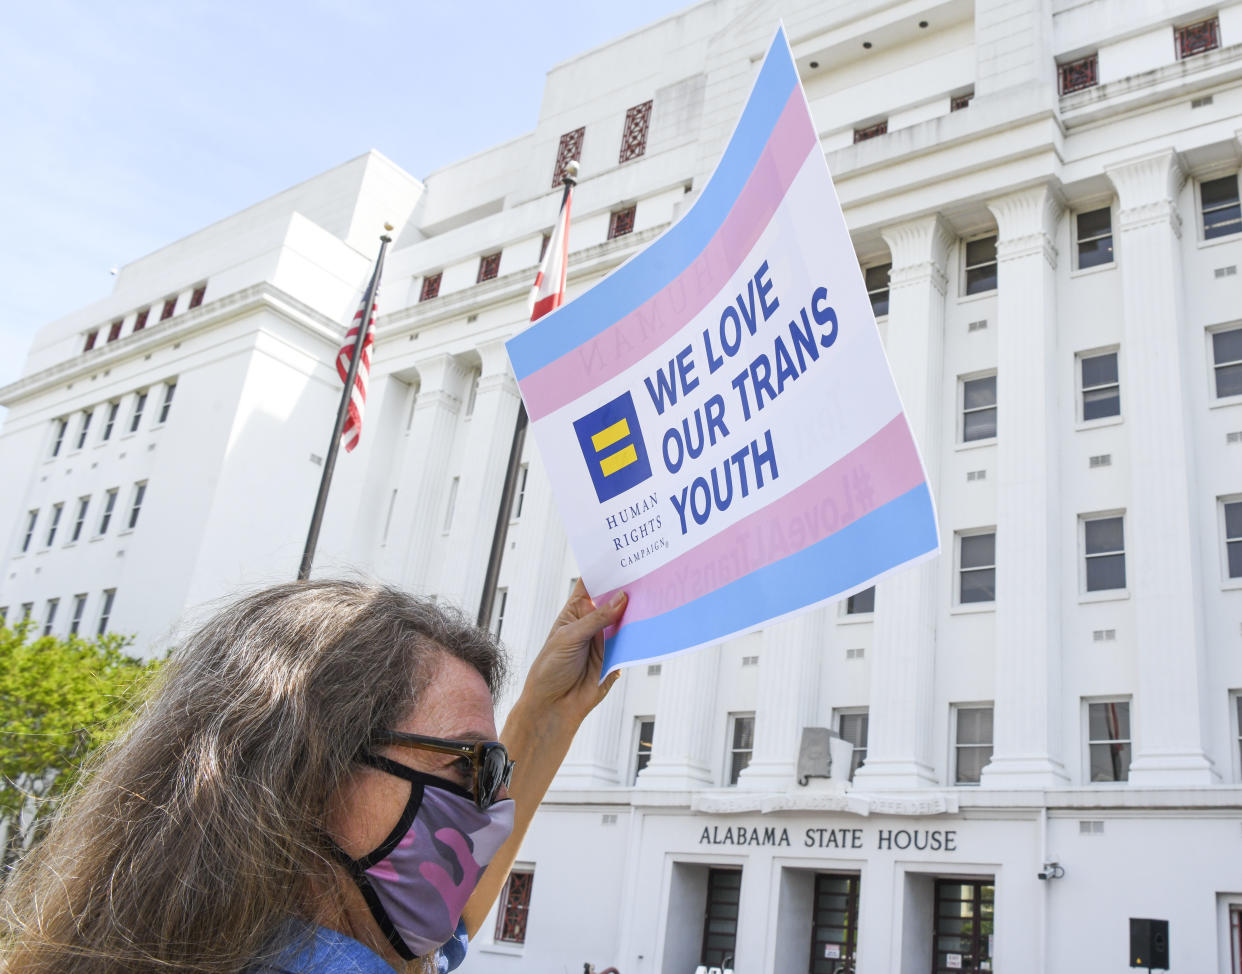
<point>741,743</point>
<point>634,132</point>
<point>1119,747</point>
<point>1094,396</point>
<point>644,744</point>
<point>854,725</point>
<point>969,385</point>
<point>979,746</point>
<point>976,278</point>
<point>1087,246</point>
<point>431,286</point>
<point>568,149</point>
<point>1080,74</point>
<point>1232,531</point>
<point>723,897</point>
<point>878,292</point>
<point>1094,562</point>
<point>1220,216</point>
<point>489,267</point>
<point>861,602</point>
<point>169,309</point>
<point>514,913</point>
<point>621,222</point>
<point>979,569</point>
<point>1200,37</point>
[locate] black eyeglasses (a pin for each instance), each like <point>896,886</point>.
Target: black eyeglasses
<point>492,767</point>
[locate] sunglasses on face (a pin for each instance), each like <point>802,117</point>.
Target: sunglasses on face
<point>492,767</point>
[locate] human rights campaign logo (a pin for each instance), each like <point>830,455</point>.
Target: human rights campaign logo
<point>612,444</point>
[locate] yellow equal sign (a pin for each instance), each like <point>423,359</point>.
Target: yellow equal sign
<point>605,438</point>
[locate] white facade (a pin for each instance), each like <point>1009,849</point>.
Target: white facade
<point>1130,657</point>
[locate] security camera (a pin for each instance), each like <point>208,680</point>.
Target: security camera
<point>1050,870</point>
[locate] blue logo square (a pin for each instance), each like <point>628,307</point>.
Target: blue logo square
<point>612,445</point>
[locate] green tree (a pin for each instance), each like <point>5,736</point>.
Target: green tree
<point>59,700</point>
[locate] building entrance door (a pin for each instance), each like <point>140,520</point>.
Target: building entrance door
<point>834,923</point>
<point>964,924</point>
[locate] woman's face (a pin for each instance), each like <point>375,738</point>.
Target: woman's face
<point>456,705</point>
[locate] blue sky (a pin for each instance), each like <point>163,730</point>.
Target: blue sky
<point>128,125</point>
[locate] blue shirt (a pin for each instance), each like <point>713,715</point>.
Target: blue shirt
<point>332,952</point>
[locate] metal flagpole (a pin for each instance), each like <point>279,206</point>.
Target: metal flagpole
<point>329,463</point>
<point>501,531</point>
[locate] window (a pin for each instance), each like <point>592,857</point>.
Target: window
<point>452,503</point>
<point>27,608</point>
<point>169,309</point>
<point>861,603</point>
<point>49,619</point>
<point>105,613</point>
<point>1197,38</point>
<point>109,504</point>
<point>877,287</point>
<point>140,491</point>
<point>1080,74</point>
<point>196,298</point>
<point>1095,237</point>
<point>139,405</point>
<point>976,559</point>
<point>140,322</point>
<point>958,102</point>
<point>515,907</point>
<point>473,394</point>
<point>1101,387</point>
<point>834,923</point>
<point>79,609</point>
<point>91,338</point>
<point>644,737</point>
<point>489,267</point>
<point>569,150</point>
<point>621,222</point>
<point>1227,362</point>
<point>852,726</point>
<point>85,427</point>
<point>1105,553</point>
<point>724,888</point>
<point>1231,510</point>
<point>1237,703</point>
<point>498,611</point>
<point>973,747</point>
<point>83,504</point>
<point>170,390</point>
<point>59,437</point>
<point>57,510</point>
<point>1108,740</point>
<point>1221,213</point>
<point>981,265</point>
<point>979,408</point>
<point>742,736</point>
<point>964,924</point>
<point>871,131</point>
<point>519,496</point>
<point>431,286</point>
<point>114,330</point>
<point>113,408</point>
<point>634,135</point>
<point>4,615</point>
<point>31,518</point>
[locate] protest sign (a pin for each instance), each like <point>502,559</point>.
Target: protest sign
<point>717,417</point>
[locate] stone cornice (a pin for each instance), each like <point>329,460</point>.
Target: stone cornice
<point>509,287</point>
<point>825,800</point>
<point>258,297</point>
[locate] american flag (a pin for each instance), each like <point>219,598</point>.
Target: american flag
<point>549,290</point>
<point>351,432</point>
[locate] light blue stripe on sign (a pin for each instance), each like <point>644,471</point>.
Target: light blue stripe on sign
<point>902,529</point>
<point>651,270</point>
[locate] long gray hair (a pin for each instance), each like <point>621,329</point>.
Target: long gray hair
<point>199,833</point>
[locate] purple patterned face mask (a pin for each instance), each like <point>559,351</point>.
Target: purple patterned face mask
<point>417,882</point>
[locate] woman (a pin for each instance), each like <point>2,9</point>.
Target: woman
<point>310,789</point>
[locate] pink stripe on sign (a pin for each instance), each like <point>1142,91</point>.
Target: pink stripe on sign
<point>627,341</point>
<point>874,473</point>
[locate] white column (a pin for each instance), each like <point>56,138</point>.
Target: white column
<point>1026,726</point>
<point>787,698</point>
<point>423,484</point>
<point>489,437</point>
<point>907,604</point>
<point>683,754</point>
<point>1168,714</point>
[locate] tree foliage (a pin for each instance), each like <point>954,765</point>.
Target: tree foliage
<point>59,700</point>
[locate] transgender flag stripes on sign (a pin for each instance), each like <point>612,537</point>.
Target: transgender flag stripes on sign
<point>717,416</point>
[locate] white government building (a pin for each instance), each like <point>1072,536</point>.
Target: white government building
<point>1044,200</point>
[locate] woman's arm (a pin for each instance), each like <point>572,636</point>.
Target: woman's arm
<point>560,690</point>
